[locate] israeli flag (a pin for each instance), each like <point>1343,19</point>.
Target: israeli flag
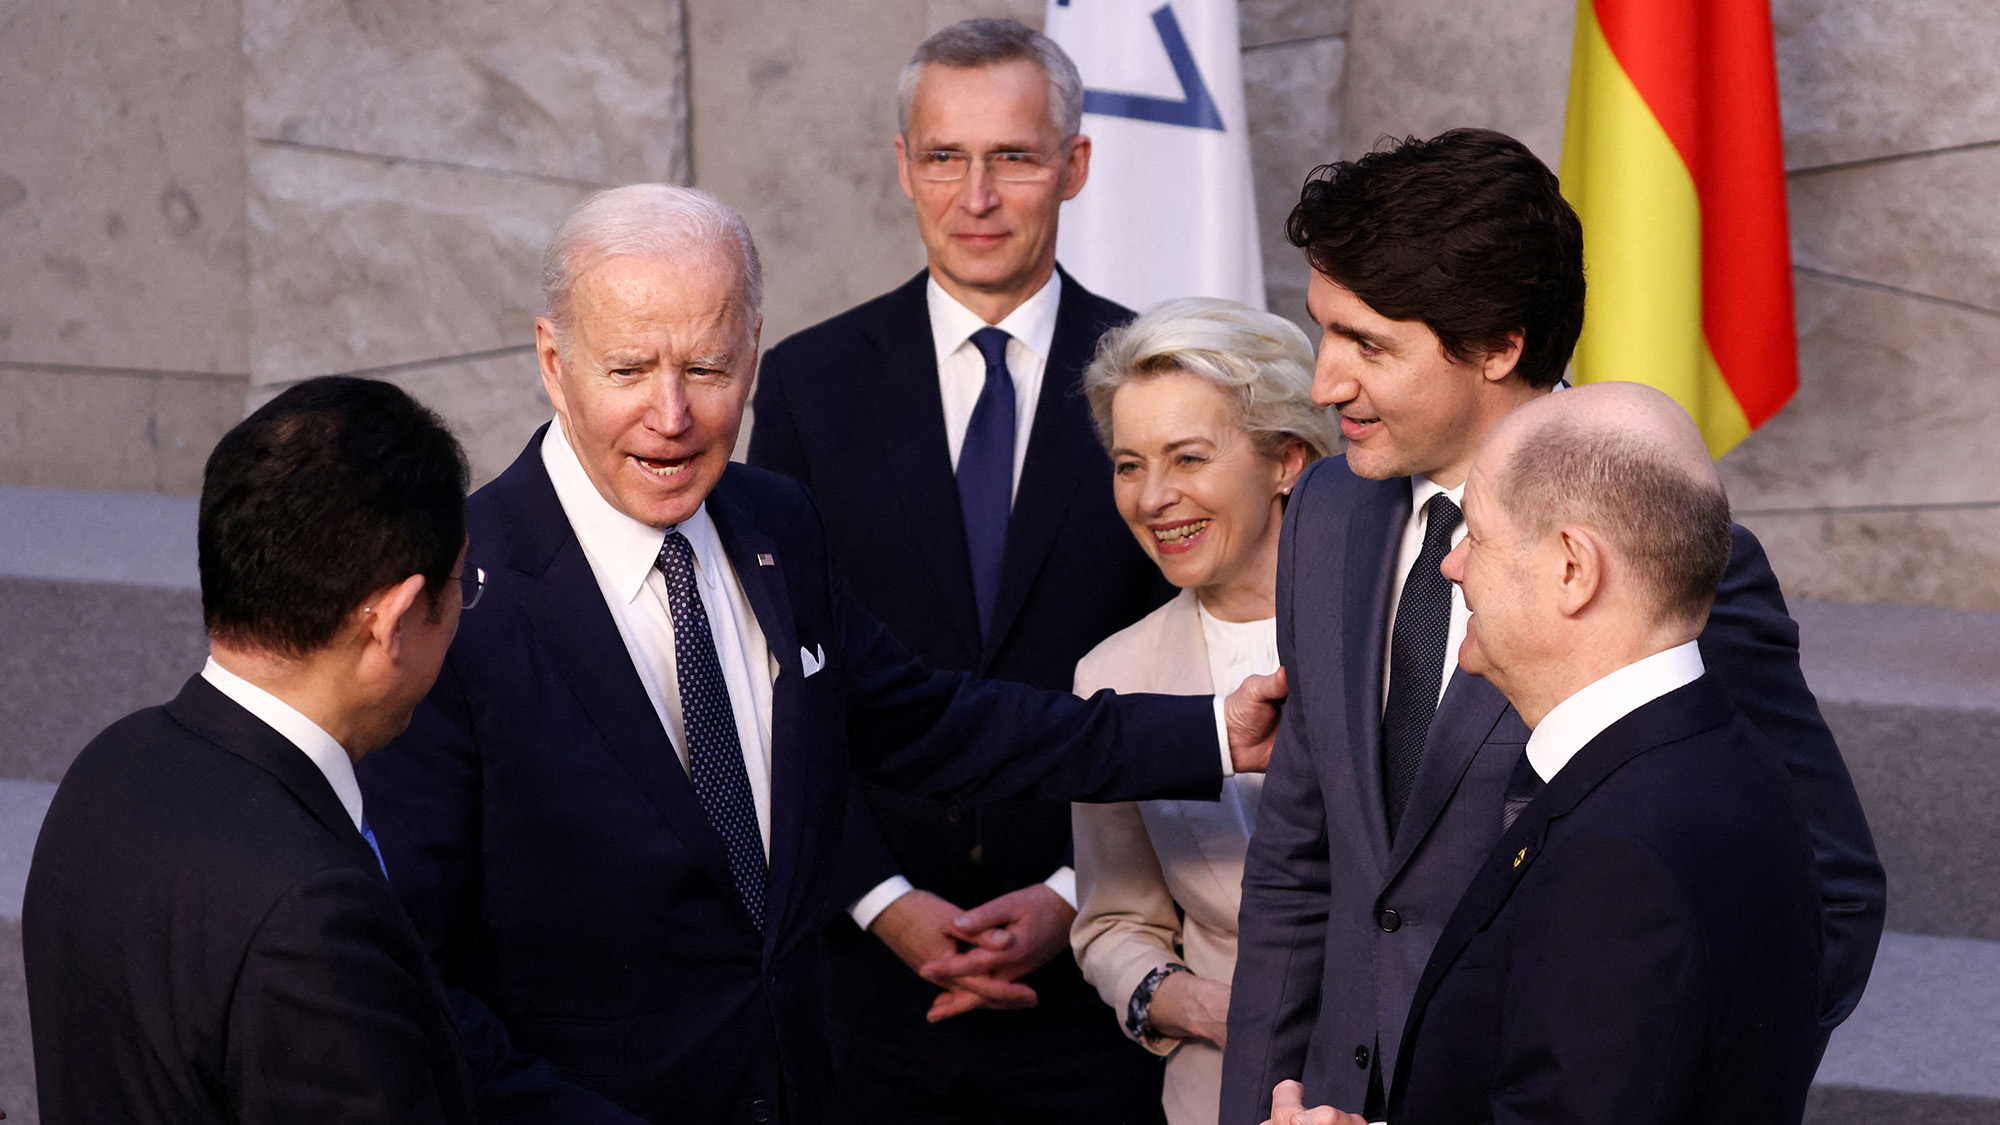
<point>1168,210</point>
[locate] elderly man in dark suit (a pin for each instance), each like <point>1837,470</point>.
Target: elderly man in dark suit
<point>943,430</point>
<point>1643,945</point>
<point>612,817</point>
<point>209,934</point>
<point>1448,284</point>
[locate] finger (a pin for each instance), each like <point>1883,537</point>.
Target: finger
<point>955,1002</point>
<point>997,992</point>
<point>986,916</point>
<point>976,962</point>
<point>1287,1098</point>
<point>994,938</point>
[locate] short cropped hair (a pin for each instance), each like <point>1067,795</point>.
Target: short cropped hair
<point>1467,232</point>
<point>989,42</point>
<point>1263,361</point>
<point>643,220</point>
<point>1672,528</point>
<point>331,491</point>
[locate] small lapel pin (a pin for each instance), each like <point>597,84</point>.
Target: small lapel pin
<point>1519,856</point>
<point>766,560</point>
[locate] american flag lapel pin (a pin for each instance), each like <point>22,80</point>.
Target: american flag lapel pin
<point>766,560</point>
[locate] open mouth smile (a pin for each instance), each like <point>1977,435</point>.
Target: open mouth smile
<point>1178,537</point>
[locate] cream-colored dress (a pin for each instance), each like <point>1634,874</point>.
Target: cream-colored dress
<point>1136,860</point>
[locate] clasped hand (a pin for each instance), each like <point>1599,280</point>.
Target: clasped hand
<point>977,957</point>
<point>1288,1108</point>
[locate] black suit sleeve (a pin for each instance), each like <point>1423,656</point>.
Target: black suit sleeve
<point>326,1022</point>
<point>1752,645</point>
<point>424,794</point>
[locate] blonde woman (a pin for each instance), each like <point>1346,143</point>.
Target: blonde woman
<point>1206,410</point>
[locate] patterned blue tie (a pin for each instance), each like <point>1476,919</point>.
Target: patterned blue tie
<point>986,472</point>
<point>715,755</point>
<point>368,834</point>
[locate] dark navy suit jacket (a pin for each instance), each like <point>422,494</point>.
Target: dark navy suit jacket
<point>851,408</point>
<point>550,847</point>
<point>1643,945</point>
<point>1338,921</point>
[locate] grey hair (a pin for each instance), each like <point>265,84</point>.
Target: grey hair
<point>1261,359</point>
<point>644,220</point>
<point>988,42</point>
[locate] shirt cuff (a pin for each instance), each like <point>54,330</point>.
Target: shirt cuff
<point>870,906</point>
<point>1222,739</point>
<point>1063,883</point>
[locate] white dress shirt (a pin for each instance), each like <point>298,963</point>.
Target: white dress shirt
<point>622,553</point>
<point>1422,488</point>
<point>962,369</point>
<point>1570,725</point>
<point>1237,649</point>
<point>308,736</point>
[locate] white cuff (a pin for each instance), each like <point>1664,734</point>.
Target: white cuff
<point>1063,883</point>
<point>871,905</point>
<point>1222,739</point>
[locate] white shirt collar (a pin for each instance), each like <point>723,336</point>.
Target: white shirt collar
<point>621,548</point>
<point>1032,324</point>
<point>1571,724</point>
<point>308,736</point>
<point>1422,488</point>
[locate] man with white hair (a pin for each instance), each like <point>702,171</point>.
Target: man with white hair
<point>942,429</point>
<point>610,818</point>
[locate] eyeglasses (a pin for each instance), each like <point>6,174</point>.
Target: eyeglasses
<point>470,592</point>
<point>949,165</point>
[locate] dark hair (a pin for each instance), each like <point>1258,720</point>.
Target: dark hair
<point>1467,232</point>
<point>329,492</point>
<point>1672,528</point>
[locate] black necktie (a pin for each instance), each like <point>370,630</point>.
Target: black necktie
<point>1416,660</point>
<point>986,472</point>
<point>715,754</point>
<point>1522,786</point>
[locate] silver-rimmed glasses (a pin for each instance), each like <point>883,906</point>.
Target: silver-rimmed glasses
<point>471,586</point>
<point>949,165</point>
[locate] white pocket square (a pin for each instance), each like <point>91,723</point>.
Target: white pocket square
<point>812,661</point>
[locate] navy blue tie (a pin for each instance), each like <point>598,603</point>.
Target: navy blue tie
<point>715,754</point>
<point>986,472</point>
<point>368,834</point>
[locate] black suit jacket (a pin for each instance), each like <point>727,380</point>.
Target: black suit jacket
<point>1642,946</point>
<point>1324,975</point>
<point>552,852</point>
<point>209,939</point>
<point>851,408</point>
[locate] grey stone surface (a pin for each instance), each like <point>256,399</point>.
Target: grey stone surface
<point>80,655</point>
<point>1929,1022</point>
<point>23,804</point>
<point>1895,406</point>
<point>589,90</point>
<point>1921,557</point>
<point>79,535</point>
<point>1293,96</point>
<point>1419,67</point>
<point>1265,22</point>
<point>17,1057</point>
<point>940,14</point>
<point>361,263</point>
<point>1845,1105</point>
<point>132,430</point>
<point>794,117</point>
<point>121,186</point>
<point>1862,79</point>
<point>1929,224</point>
<point>1918,657</point>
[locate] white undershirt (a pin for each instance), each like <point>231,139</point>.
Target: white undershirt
<point>1422,488</point>
<point>1237,649</point>
<point>1570,725</point>
<point>962,369</point>
<point>622,552</point>
<point>311,739</point>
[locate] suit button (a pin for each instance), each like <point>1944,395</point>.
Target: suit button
<point>761,1110</point>
<point>1390,921</point>
<point>1361,1057</point>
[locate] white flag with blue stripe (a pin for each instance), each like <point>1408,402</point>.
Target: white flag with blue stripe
<point>1168,210</point>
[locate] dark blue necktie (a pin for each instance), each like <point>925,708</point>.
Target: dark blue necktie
<point>368,834</point>
<point>1416,660</point>
<point>715,754</point>
<point>986,472</point>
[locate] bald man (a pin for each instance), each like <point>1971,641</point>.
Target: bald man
<point>1643,944</point>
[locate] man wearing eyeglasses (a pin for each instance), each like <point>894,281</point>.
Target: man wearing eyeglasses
<point>942,429</point>
<point>209,931</point>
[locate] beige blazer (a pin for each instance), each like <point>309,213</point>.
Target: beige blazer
<point>1135,860</point>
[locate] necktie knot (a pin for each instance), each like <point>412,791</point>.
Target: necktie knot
<point>992,345</point>
<point>1441,518</point>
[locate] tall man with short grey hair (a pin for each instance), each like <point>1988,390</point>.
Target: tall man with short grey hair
<point>610,817</point>
<point>942,429</point>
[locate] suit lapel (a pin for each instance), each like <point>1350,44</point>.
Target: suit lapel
<point>1374,533</point>
<point>1465,717</point>
<point>1180,663</point>
<point>903,398</point>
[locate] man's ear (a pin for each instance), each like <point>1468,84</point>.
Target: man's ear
<point>387,614</point>
<point>1582,558</point>
<point>1076,169</point>
<point>1501,361</point>
<point>548,353</point>
<point>903,168</point>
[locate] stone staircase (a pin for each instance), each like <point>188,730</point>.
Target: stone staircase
<point>101,615</point>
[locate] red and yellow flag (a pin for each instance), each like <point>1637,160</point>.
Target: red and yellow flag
<point>1673,156</point>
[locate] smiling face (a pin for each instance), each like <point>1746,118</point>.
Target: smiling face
<point>988,240</point>
<point>1405,406</point>
<point>1199,497</point>
<point>651,386</point>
